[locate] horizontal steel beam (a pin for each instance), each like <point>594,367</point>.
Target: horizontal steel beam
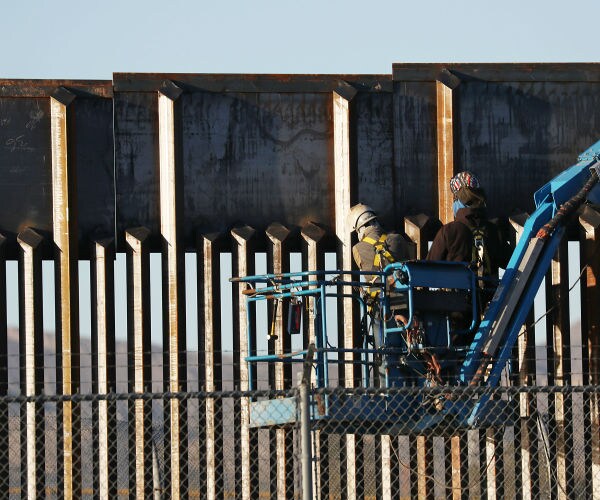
<point>499,72</point>
<point>152,82</point>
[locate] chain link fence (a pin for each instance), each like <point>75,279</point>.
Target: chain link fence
<point>533,442</point>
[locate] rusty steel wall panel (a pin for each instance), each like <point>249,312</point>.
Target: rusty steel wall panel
<point>94,158</point>
<point>270,137</point>
<point>249,156</point>
<point>251,147</point>
<point>247,82</point>
<point>500,72</point>
<point>234,147</point>
<point>136,162</point>
<point>516,125</point>
<point>518,135</point>
<point>376,176</point>
<point>415,147</point>
<point>25,163</point>
<point>25,157</point>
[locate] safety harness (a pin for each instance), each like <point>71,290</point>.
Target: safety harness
<point>381,250</point>
<point>480,258</point>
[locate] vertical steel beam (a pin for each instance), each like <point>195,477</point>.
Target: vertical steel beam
<point>590,339</point>
<point>171,217</point>
<point>590,328</point>
<point>31,340</point>
<point>313,257</point>
<point>104,367</point>
<point>457,466</point>
<point>278,262</point>
<point>344,144</point>
<point>3,330</point>
<point>420,485</point>
<point>64,208</point>
<point>245,439</point>
<point>211,373</point>
<point>559,343</point>
<point>139,359</point>
<point>421,229</point>
<point>560,326</point>
<point>445,87</point>
<point>407,466</point>
<point>305,441</point>
<point>488,457</point>
<point>449,473</point>
<point>455,469</point>
<point>527,447</point>
<point>526,348</point>
<point>344,187</point>
<point>495,459</point>
<point>4,422</point>
<point>383,478</point>
<point>464,451</point>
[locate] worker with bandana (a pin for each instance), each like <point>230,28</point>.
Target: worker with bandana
<point>471,237</point>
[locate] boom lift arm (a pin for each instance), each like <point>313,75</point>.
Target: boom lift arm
<point>527,267</point>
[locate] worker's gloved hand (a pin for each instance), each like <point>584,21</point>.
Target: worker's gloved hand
<point>401,320</point>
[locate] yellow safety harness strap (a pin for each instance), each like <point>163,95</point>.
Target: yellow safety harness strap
<point>380,249</point>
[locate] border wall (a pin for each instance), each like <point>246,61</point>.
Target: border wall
<point>247,167</point>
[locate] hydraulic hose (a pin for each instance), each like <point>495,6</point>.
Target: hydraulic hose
<point>567,208</point>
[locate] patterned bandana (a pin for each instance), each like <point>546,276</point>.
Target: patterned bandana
<point>463,179</point>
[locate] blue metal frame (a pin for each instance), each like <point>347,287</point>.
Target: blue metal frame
<point>431,275</point>
<point>406,276</point>
<point>288,285</point>
<point>415,274</point>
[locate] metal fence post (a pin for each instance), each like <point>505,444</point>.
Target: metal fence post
<point>305,439</point>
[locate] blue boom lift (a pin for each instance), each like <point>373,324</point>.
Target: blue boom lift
<point>422,326</point>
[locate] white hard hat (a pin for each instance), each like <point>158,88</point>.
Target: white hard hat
<point>360,215</point>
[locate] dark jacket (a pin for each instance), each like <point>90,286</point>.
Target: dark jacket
<point>454,241</point>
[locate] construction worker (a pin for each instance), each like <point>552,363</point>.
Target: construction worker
<point>471,237</point>
<point>375,248</point>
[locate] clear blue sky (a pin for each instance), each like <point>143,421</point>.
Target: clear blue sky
<point>91,40</point>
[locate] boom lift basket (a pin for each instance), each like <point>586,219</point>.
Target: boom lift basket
<point>417,321</point>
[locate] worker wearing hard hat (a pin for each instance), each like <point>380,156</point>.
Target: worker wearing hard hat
<point>375,248</point>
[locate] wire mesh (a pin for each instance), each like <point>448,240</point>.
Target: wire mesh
<point>540,442</point>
